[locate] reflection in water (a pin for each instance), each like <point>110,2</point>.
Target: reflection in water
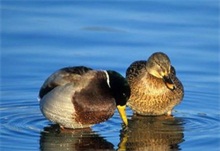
<point>54,139</point>
<point>161,133</point>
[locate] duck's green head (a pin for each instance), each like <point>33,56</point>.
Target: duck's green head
<point>158,65</point>
<point>121,92</point>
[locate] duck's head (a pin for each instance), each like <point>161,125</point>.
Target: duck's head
<point>158,65</point>
<point>121,91</point>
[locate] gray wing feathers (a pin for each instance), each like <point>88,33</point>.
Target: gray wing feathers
<point>62,77</point>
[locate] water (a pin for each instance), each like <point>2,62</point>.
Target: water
<point>39,37</point>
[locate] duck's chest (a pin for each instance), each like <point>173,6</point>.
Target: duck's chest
<point>148,85</point>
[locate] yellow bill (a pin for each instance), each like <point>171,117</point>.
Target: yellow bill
<point>121,110</point>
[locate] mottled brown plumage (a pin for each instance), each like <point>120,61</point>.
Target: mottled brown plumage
<point>155,89</point>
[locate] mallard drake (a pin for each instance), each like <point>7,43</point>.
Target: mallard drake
<point>79,97</point>
<point>155,89</point>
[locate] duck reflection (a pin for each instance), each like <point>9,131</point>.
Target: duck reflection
<point>55,139</point>
<point>162,133</point>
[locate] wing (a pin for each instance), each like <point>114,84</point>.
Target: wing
<point>135,69</point>
<point>62,77</point>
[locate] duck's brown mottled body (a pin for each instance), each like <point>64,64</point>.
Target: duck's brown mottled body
<point>150,95</point>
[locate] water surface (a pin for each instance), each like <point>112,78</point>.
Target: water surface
<point>39,37</point>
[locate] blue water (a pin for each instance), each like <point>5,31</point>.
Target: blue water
<point>39,37</point>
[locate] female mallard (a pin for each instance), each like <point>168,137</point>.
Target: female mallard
<point>155,89</point>
<point>78,97</point>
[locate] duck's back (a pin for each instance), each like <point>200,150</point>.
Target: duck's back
<point>135,71</point>
<point>62,77</point>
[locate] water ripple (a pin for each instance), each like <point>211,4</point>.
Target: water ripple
<point>23,122</point>
<point>201,122</point>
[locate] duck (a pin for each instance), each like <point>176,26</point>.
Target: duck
<point>155,88</point>
<point>79,96</point>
